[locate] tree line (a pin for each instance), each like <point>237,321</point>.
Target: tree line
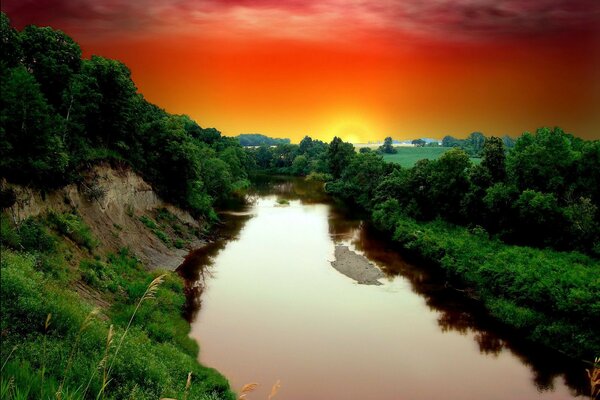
<point>60,113</point>
<point>544,192</point>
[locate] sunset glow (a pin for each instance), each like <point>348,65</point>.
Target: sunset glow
<point>359,69</point>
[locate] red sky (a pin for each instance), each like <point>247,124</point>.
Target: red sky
<point>358,69</point>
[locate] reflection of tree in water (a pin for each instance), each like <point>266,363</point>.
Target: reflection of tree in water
<point>457,311</point>
<point>196,266</point>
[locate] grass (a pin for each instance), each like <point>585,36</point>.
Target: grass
<point>55,345</point>
<point>408,156</point>
<point>170,229</point>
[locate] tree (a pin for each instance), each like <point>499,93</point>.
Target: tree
<point>52,57</point>
<point>339,155</point>
<point>305,145</point>
<point>494,159</point>
<point>388,146</point>
<point>300,166</point>
<point>449,141</point>
<point>360,179</point>
<point>473,144</point>
<point>10,41</point>
<point>449,182</point>
<point>31,147</point>
<point>114,119</point>
<point>542,162</point>
<point>264,157</point>
<point>418,142</point>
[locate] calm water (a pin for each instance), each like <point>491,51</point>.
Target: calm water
<point>265,304</point>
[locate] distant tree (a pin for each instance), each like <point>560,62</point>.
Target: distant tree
<point>449,141</point>
<point>509,142</point>
<point>360,179</point>
<point>264,157</point>
<point>494,159</point>
<point>473,144</point>
<point>339,155</point>
<point>388,146</point>
<point>449,182</point>
<point>257,139</point>
<point>300,165</point>
<point>364,150</point>
<point>418,142</point>
<point>305,145</point>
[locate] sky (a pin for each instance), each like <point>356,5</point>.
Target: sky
<point>358,69</point>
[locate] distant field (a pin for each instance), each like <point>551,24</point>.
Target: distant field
<point>408,156</point>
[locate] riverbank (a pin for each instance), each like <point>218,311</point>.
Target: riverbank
<point>74,269</point>
<point>551,297</point>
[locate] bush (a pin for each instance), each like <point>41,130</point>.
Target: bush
<point>72,226</point>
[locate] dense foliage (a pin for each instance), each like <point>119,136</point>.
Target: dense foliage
<point>310,156</point>
<point>473,144</point>
<point>256,139</point>
<point>60,112</point>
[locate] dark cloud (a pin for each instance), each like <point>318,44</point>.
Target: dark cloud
<point>441,19</point>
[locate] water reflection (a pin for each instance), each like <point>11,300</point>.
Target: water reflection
<point>197,265</point>
<point>457,311</point>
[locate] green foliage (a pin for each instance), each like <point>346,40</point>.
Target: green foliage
<point>552,297</point>
<point>31,145</point>
<point>387,147</point>
<point>339,155</point>
<point>59,114</point>
<point>72,226</point>
<point>153,361</point>
<point>256,139</point>
<point>52,57</point>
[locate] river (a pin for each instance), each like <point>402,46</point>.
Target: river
<point>266,305</point>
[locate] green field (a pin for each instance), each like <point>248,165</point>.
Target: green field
<point>408,156</point>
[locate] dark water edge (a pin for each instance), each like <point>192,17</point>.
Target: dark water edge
<point>459,311</point>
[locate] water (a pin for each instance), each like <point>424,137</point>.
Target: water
<point>270,307</point>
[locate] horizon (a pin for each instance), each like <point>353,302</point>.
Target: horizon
<point>361,70</point>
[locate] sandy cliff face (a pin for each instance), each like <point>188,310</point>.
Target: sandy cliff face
<point>111,201</point>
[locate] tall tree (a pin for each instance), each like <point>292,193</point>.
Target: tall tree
<point>10,42</point>
<point>31,148</point>
<point>339,155</point>
<point>494,159</point>
<point>52,57</point>
<point>388,146</point>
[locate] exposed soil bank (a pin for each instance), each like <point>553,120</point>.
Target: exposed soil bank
<point>111,202</point>
<point>356,266</point>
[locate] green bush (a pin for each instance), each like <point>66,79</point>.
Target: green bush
<point>72,226</point>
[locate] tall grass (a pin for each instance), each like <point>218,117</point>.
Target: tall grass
<point>594,377</point>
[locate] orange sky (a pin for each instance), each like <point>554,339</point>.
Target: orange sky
<point>358,69</point>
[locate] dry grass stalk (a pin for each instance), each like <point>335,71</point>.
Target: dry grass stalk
<point>594,376</point>
<point>247,388</point>
<point>188,383</point>
<point>8,357</point>
<point>275,389</point>
<point>150,293</point>
<point>46,326</point>
<point>84,325</point>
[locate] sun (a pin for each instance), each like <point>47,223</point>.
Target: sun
<point>351,129</point>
